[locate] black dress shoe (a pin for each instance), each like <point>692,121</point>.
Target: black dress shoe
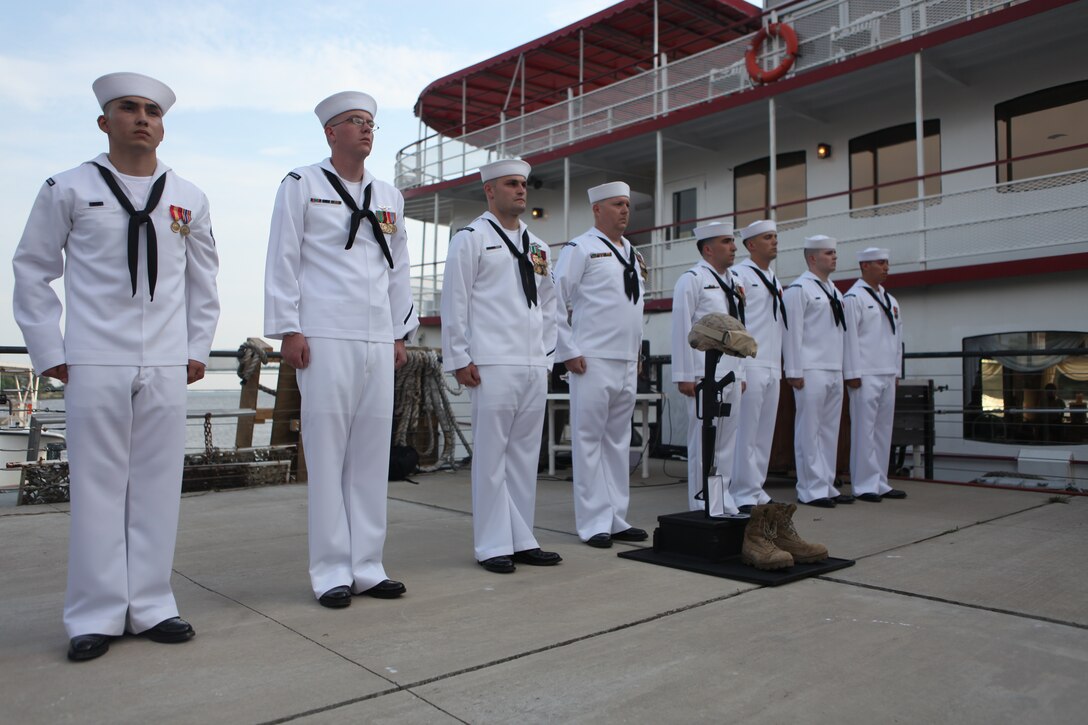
<point>869,497</point>
<point>843,498</point>
<point>824,503</point>
<point>88,646</point>
<point>631,534</point>
<point>600,541</point>
<point>336,598</point>
<point>387,589</point>
<point>171,631</point>
<point>499,565</point>
<point>746,508</point>
<point>536,557</point>
<point>895,493</point>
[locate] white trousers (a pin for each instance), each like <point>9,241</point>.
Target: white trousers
<point>816,434</point>
<point>602,401</point>
<point>872,409</point>
<point>347,418</point>
<point>725,441</point>
<point>126,448</point>
<point>758,412</point>
<point>507,422</point>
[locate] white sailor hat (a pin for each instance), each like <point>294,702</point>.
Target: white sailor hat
<point>820,241</point>
<point>873,254</point>
<point>713,229</point>
<point>504,167</point>
<point>609,190</point>
<point>338,103</point>
<point>118,85</point>
<point>758,227</point>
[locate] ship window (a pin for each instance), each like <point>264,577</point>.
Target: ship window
<point>751,189</point>
<point>1034,399</point>
<point>887,155</point>
<point>683,210</point>
<point>1046,120</point>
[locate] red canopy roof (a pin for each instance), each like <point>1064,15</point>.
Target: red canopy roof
<point>618,42</point>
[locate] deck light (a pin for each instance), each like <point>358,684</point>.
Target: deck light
<point>823,150</point>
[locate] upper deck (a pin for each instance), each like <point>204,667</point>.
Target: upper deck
<point>835,37</point>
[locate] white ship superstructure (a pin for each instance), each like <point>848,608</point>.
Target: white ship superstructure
<point>953,132</point>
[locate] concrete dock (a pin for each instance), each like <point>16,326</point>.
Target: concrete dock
<point>966,605</point>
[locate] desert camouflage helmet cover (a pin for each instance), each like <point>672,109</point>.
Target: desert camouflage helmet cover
<point>718,331</point>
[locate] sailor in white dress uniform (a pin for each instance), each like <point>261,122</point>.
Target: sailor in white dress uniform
<point>706,288</point>
<point>812,350</point>
<point>337,292</point>
<point>766,320</point>
<point>599,278</point>
<point>871,365</point>
<point>498,338</point>
<point>138,327</point>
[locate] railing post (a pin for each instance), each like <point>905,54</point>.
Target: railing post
<point>243,436</point>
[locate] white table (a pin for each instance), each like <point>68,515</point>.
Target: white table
<point>561,401</point>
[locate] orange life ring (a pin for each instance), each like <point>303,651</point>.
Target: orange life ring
<point>775,30</point>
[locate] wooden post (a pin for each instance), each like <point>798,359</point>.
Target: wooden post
<point>286,417</point>
<point>243,438</point>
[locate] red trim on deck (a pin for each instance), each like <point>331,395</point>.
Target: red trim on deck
<point>618,43</point>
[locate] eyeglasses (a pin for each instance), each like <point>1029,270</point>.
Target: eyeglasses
<point>357,121</point>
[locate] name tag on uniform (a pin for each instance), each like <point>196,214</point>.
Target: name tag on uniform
<point>597,255</point>
<point>332,202</point>
<point>497,246</point>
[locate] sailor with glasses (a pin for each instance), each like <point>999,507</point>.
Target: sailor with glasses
<point>337,294</point>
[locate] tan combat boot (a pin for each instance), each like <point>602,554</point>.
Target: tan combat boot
<point>789,540</point>
<point>759,549</point>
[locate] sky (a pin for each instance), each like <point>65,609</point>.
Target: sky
<point>247,75</point>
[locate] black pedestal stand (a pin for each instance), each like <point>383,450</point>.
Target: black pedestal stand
<point>695,540</point>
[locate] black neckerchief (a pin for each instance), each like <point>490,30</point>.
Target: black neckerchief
<point>136,219</point>
<point>836,305</point>
<point>736,302</point>
<point>885,304</point>
<point>525,267</point>
<point>630,276</point>
<point>357,215</point>
<point>776,296</point>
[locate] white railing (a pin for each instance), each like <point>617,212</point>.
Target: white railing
<point>1040,217</point>
<point>829,31</point>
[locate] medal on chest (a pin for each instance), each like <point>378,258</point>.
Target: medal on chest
<point>387,220</point>
<point>642,268</point>
<point>539,257</point>
<point>181,218</point>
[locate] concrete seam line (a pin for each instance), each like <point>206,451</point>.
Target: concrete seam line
<point>967,605</point>
<point>511,658</point>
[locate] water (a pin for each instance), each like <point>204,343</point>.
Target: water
<point>200,402</point>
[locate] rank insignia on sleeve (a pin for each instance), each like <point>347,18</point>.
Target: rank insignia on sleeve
<point>292,175</point>
<point>50,181</point>
<point>387,220</point>
<point>181,218</point>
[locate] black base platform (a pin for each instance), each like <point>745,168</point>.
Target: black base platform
<point>693,542</point>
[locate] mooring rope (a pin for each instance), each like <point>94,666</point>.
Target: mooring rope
<point>421,395</point>
<point>250,358</point>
